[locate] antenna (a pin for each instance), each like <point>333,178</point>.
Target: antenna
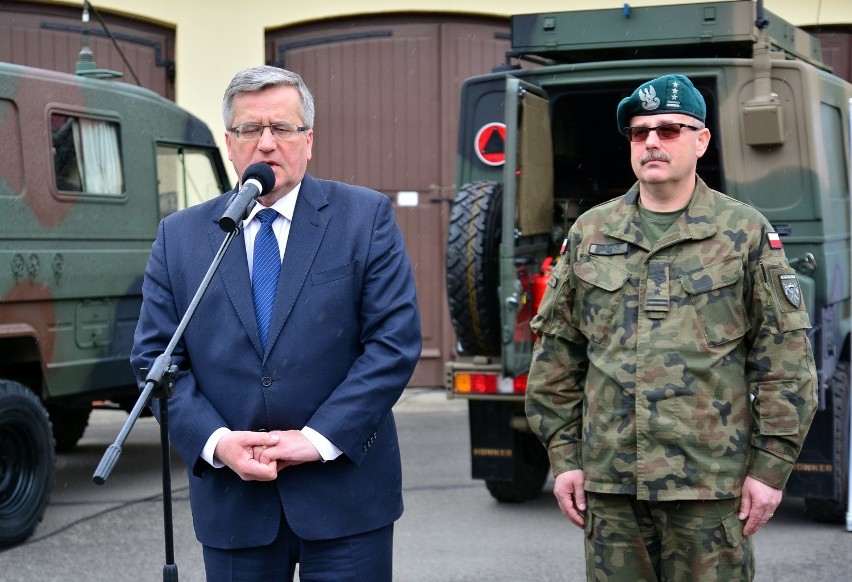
<point>763,115</point>
<point>86,66</point>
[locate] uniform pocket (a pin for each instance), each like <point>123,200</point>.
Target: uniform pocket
<point>776,406</point>
<point>733,529</point>
<point>599,294</point>
<point>716,292</point>
<point>736,552</point>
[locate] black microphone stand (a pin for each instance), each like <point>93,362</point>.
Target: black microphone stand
<point>160,384</point>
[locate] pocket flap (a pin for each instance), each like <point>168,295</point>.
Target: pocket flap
<point>733,529</point>
<point>601,273</point>
<point>713,277</point>
<point>340,272</point>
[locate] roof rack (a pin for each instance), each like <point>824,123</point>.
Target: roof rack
<point>707,29</point>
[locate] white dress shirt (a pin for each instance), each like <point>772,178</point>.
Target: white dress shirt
<point>285,206</point>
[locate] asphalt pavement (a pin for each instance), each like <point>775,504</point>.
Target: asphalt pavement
<point>452,531</point>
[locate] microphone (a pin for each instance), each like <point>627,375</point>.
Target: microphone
<point>258,179</point>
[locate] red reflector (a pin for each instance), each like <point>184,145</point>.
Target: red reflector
<point>520,384</point>
<point>483,383</point>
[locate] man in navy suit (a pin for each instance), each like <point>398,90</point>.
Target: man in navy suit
<point>290,442</point>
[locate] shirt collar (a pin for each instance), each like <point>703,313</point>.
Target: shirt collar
<point>286,205</point>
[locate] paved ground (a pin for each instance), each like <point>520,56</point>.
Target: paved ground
<point>452,531</point>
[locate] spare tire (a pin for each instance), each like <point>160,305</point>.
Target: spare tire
<point>473,269</point>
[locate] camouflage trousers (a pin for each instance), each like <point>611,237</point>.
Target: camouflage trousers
<point>670,541</point>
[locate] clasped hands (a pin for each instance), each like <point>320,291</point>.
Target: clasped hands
<point>259,456</point>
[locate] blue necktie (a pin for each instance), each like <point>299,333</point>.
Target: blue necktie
<point>266,267</point>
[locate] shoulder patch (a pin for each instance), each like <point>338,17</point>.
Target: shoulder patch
<point>790,286</point>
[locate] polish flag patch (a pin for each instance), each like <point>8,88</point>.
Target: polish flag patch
<point>774,240</point>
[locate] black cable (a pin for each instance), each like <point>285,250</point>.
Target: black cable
<point>115,43</point>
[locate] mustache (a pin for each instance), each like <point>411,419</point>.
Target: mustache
<point>654,156</point>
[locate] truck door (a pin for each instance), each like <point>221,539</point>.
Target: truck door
<point>527,215</point>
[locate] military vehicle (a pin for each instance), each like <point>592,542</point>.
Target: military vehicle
<point>89,166</point>
<point>538,145</point>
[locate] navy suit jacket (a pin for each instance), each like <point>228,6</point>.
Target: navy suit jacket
<point>343,343</point>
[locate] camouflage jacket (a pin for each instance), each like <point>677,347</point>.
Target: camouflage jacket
<point>673,372</point>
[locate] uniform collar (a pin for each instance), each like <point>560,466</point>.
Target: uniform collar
<point>697,222</point>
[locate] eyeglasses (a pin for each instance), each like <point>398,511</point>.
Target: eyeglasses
<point>281,131</point>
<point>664,132</point>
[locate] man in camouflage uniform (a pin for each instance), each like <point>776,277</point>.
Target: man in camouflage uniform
<point>673,382</point>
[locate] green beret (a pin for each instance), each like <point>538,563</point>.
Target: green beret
<point>666,94</point>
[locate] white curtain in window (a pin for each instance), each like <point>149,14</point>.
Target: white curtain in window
<point>98,158</point>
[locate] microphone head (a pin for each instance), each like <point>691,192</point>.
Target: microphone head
<point>263,174</point>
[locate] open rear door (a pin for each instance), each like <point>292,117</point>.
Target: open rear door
<point>849,391</point>
<point>527,214</point>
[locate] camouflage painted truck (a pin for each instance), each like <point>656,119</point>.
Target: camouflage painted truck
<point>88,168</point>
<point>538,145</point>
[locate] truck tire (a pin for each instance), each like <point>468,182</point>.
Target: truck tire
<point>834,510</point>
<point>26,462</point>
<point>69,424</point>
<point>473,270</point>
<point>531,469</point>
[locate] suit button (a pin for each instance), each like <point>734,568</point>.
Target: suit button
<point>266,381</point>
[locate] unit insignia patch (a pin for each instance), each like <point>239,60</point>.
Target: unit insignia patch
<point>790,286</point>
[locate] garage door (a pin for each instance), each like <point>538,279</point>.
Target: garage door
<point>836,43</point>
<point>387,102</point>
<point>50,37</point>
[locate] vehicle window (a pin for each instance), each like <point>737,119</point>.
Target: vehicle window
<point>185,176</point>
<point>835,162</point>
<point>11,161</point>
<point>86,155</point>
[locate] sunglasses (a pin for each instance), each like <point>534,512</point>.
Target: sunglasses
<point>664,132</point>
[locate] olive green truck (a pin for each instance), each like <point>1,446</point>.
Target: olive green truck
<point>538,145</point>
<point>88,167</point>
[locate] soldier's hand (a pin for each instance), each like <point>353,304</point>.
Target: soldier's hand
<point>758,504</point>
<point>571,496</point>
<point>236,449</point>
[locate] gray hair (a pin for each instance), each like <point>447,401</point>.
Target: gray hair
<point>258,78</point>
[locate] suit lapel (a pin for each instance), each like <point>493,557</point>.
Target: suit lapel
<point>233,271</point>
<point>306,233</point>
